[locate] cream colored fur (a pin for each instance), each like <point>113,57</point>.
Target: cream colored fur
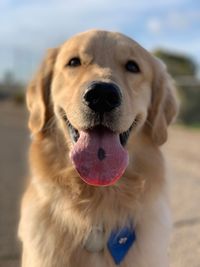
<point>59,211</point>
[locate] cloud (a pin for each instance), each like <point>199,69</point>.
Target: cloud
<point>173,21</point>
<point>29,27</point>
<point>35,23</point>
<point>154,25</point>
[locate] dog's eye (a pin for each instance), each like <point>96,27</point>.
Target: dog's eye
<point>132,66</point>
<point>74,62</point>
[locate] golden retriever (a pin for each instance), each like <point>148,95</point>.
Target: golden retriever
<point>99,110</point>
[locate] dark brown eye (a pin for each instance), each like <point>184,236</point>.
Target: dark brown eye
<point>74,62</point>
<point>132,66</point>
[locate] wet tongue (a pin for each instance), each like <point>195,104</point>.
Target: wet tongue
<point>99,157</point>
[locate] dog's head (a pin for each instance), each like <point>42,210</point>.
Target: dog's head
<point>102,89</point>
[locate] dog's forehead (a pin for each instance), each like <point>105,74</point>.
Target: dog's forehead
<point>100,44</point>
<point>98,40</point>
<point>99,36</point>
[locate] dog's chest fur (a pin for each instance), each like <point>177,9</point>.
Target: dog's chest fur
<point>66,237</point>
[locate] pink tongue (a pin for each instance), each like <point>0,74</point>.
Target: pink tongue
<point>99,157</point>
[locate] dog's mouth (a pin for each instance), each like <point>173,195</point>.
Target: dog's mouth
<point>75,134</point>
<point>98,153</point>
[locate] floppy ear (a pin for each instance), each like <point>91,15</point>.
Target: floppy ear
<point>38,94</point>
<point>163,104</point>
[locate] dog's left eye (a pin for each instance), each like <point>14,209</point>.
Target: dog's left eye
<point>132,66</point>
<point>74,62</point>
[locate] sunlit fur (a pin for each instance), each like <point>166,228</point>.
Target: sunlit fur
<point>58,209</point>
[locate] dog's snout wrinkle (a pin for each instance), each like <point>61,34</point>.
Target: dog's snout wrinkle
<point>102,97</point>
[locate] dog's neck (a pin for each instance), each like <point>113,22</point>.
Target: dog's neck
<point>118,243</point>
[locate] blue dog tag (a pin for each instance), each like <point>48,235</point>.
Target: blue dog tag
<point>120,242</point>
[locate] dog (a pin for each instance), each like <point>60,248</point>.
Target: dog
<point>99,109</point>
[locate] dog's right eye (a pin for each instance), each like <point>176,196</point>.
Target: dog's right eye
<point>74,62</point>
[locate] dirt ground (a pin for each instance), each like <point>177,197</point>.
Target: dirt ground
<point>183,156</point>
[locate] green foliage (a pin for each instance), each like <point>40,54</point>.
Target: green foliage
<point>19,98</point>
<point>178,65</point>
<point>12,89</point>
<point>183,68</point>
<point>190,109</point>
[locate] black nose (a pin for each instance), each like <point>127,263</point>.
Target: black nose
<point>102,97</point>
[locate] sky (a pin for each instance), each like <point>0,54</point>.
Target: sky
<point>29,27</point>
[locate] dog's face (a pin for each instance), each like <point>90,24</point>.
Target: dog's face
<point>102,88</point>
<point>103,79</point>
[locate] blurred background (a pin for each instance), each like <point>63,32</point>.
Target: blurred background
<point>170,30</point>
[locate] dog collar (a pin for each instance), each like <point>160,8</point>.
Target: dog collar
<point>120,242</point>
